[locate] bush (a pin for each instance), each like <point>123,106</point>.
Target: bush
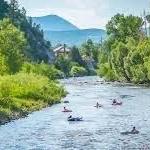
<point>78,71</point>
<point>43,69</point>
<point>28,92</point>
<point>106,72</point>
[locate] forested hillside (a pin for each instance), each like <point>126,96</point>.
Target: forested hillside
<point>37,47</point>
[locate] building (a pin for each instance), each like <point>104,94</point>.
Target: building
<point>62,49</point>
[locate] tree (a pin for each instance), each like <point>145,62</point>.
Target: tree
<point>12,45</point>
<point>126,54</point>
<point>13,10</point>
<point>3,9</point>
<point>86,48</point>
<point>122,27</point>
<point>148,20</point>
<point>75,56</point>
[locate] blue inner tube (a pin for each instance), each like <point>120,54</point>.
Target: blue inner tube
<point>128,133</point>
<point>75,119</point>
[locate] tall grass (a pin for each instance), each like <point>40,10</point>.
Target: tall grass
<point>23,93</point>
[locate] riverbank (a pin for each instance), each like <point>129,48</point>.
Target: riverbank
<point>6,116</point>
<point>21,94</point>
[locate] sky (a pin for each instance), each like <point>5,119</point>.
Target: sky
<point>85,13</point>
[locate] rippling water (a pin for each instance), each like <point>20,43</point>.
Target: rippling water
<point>49,129</point>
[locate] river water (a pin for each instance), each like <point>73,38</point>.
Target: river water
<point>49,129</point>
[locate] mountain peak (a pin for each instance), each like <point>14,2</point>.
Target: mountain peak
<point>54,23</point>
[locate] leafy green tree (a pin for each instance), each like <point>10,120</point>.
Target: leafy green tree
<point>118,60</point>
<point>86,48</point>
<point>122,27</point>
<point>125,54</point>
<point>12,45</point>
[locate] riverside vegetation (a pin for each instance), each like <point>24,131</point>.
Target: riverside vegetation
<point>29,69</point>
<point>27,81</point>
<point>125,55</point>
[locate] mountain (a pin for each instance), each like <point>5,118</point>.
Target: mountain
<point>54,23</point>
<point>60,31</point>
<point>75,37</point>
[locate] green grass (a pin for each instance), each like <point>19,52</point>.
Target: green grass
<point>24,93</point>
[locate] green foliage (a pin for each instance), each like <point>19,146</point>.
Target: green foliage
<point>78,71</point>
<point>38,49</point>
<point>3,9</point>
<point>107,72</point>
<point>12,44</point>
<point>123,27</point>
<point>125,55</point>
<point>86,49</point>
<point>28,92</point>
<point>75,56</point>
<point>35,86</point>
<point>89,49</point>
<point>63,63</point>
<point>42,69</point>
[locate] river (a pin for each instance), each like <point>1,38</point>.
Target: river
<point>49,129</point>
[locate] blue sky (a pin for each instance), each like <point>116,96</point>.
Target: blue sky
<point>85,13</point>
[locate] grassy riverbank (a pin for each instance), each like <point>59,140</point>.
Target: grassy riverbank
<point>22,94</point>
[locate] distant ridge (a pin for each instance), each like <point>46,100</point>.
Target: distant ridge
<point>60,31</point>
<point>75,37</point>
<point>54,23</point>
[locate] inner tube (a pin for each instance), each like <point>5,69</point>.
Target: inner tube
<point>99,106</point>
<point>128,133</point>
<point>67,111</point>
<point>118,103</point>
<point>75,119</point>
<point>66,102</point>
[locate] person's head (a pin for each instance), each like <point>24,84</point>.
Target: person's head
<point>64,107</point>
<point>133,128</point>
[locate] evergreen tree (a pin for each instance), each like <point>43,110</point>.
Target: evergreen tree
<point>3,9</point>
<point>13,10</point>
<point>75,56</point>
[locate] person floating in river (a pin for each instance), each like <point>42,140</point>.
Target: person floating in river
<point>134,130</point>
<point>114,101</point>
<point>65,109</point>
<point>97,105</point>
<point>70,117</point>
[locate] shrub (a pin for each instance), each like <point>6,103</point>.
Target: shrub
<point>78,71</point>
<point>43,69</point>
<point>28,92</point>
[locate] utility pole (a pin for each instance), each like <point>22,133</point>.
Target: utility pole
<point>145,22</point>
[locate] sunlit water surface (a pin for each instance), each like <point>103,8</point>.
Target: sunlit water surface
<point>49,129</point>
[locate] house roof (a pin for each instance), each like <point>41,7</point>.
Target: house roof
<point>61,49</point>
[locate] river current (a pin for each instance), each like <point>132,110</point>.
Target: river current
<point>100,129</point>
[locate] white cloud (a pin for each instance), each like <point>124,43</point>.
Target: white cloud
<point>84,13</point>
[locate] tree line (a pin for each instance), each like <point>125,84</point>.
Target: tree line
<point>125,55</point>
